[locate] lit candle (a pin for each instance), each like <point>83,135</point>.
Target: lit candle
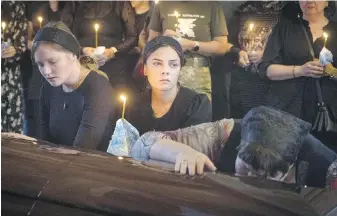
<point>40,20</point>
<point>156,1</point>
<point>96,34</point>
<point>3,26</point>
<point>123,98</point>
<point>325,35</point>
<point>251,26</point>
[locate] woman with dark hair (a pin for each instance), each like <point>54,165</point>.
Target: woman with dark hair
<point>166,105</point>
<point>77,104</point>
<point>292,70</point>
<point>117,33</point>
<point>13,44</point>
<point>268,143</point>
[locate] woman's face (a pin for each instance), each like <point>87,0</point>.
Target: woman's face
<point>312,7</point>
<point>162,68</point>
<point>55,65</point>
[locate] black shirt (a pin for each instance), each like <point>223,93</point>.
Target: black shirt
<point>189,108</point>
<point>287,45</point>
<point>83,117</point>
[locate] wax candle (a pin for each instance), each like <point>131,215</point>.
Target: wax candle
<point>96,34</point>
<point>40,19</point>
<point>123,98</point>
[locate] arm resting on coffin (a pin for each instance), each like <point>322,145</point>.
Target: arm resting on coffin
<point>202,144</point>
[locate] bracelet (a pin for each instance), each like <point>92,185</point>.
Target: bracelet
<point>293,71</point>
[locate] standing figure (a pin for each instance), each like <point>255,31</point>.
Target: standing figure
<point>13,44</point>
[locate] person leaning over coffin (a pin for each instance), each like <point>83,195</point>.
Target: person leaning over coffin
<point>267,143</point>
<point>77,106</point>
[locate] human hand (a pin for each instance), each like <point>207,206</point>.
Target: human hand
<point>243,59</point>
<point>106,56</point>
<point>88,51</point>
<point>312,69</point>
<point>193,161</point>
<point>255,56</point>
<point>8,52</point>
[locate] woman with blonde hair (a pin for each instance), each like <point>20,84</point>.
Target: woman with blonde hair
<point>77,106</point>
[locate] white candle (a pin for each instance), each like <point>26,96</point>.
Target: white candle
<point>123,98</point>
<point>96,26</point>
<point>40,20</point>
<point>325,35</point>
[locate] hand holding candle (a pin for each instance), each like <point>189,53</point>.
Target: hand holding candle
<point>96,26</point>
<point>123,98</point>
<point>40,19</point>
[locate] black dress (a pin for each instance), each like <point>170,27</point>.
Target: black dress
<point>83,117</point>
<point>117,29</point>
<point>36,80</point>
<point>287,45</point>
<point>13,13</point>
<point>189,108</point>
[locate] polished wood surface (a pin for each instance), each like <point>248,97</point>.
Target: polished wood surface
<point>36,178</point>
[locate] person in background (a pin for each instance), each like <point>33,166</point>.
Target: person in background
<point>201,30</point>
<point>289,66</point>
<point>267,143</point>
<point>117,32</point>
<point>13,45</point>
<point>250,30</point>
<point>166,105</point>
<point>143,12</point>
<point>77,104</point>
<point>48,11</point>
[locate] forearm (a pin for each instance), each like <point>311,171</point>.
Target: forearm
<point>167,150</point>
<point>283,72</point>
<point>213,48</point>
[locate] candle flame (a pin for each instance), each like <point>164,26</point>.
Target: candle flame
<point>3,25</point>
<point>251,27</point>
<point>123,98</point>
<point>176,14</point>
<point>156,1</point>
<point>325,35</point>
<point>96,26</point>
<point>40,19</point>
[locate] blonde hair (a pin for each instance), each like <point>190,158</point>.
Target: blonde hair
<point>86,61</point>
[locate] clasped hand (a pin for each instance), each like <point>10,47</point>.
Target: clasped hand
<point>101,59</point>
<point>8,52</point>
<point>246,58</point>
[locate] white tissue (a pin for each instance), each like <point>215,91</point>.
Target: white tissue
<point>325,56</point>
<point>99,51</point>
<point>123,139</point>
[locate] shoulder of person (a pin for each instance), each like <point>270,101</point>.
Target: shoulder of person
<point>190,97</point>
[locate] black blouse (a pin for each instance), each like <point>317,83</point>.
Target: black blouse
<point>81,118</point>
<point>116,20</point>
<point>189,108</point>
<point>287,45</point>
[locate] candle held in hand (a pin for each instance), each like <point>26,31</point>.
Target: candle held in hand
<point>96,26</point>
<point>325,35</point>
<point>123,98</point>
<point>40,19</point>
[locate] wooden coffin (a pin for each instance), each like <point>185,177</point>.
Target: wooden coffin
<point>39,178</point>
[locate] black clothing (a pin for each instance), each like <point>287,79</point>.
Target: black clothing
<point>287,45</point>
<point>117,29</point>
<point>83,117</point>
<point>189,108</point>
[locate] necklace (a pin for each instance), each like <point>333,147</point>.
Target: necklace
<point>83,75</point>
